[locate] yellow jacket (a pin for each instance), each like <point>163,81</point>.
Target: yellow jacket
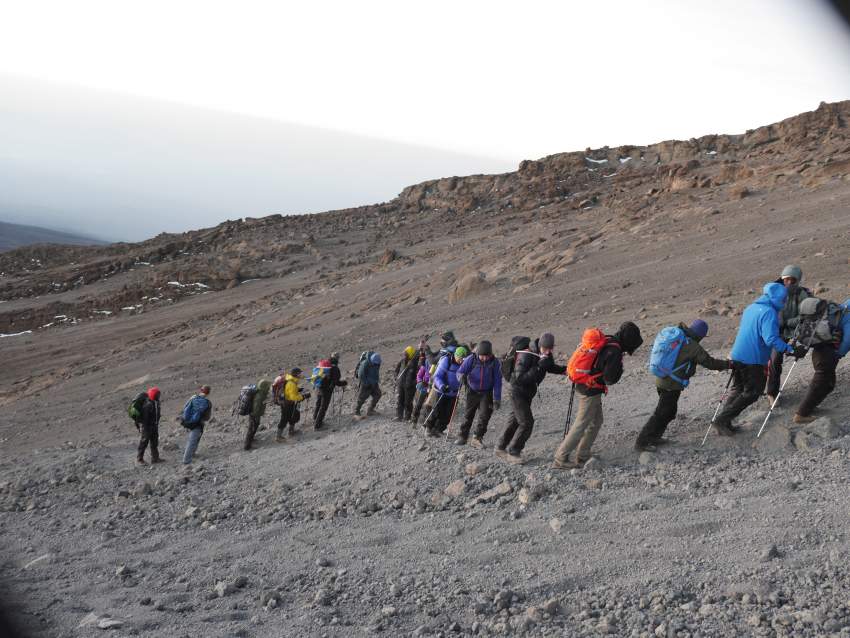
<point>291,391</point>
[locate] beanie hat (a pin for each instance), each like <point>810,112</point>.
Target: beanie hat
<point>629,337</point>
<point>484,348</point>
<point>153,393</point>
<point>792,271</point>
<point>295,372</point>
<point>699,328</point>
<point>461,352</point>
<point>375,359</point>
<point>547,340</point>
<point>409,351</point>
<point>334,357</point>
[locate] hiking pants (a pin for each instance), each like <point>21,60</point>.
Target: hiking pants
<point>287,417</point>
<point>519,427</point>
<point>150,435</point>
<point>583,431</point>
<point>367,391</point>
<point>323,402</point>
<point>824,362</point>
<point>474,401</point>
<point>665,412</point>
<point>404,406</point>
<point>774,372</point>
<point>747,386</point>
<point>253,425</point>
<point>192,441</point>
<point>441,414</point>
<point>417,406</point>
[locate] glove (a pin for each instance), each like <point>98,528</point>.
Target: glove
<point>735,365</point>
<point>342,384</point>
<point>799,352</point>
<point>497,405</point>
<point>306,395</point>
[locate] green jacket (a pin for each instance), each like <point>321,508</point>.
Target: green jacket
<point>258,407</point>
<point>789,318</point>
<point>692,352</point>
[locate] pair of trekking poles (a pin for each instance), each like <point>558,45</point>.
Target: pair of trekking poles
<point>454,409</point>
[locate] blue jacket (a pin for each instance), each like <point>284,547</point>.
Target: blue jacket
<point>482,377</point>
<point>844,346</point>
<point>445,379</point>
<point>758,333</point>
<point>369,373</point>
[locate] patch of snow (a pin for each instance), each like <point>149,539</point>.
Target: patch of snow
<point>623,160</point>
<point>60,318</point>
<point>603,161</point>
<point>142,263</point>
<point>103,312</point>
<point>200,285</point>
<point>47,325</point>
<point>128,308</point>
<point>175,283</point>
<point>611,175</point>
<point>711,152</point>
<point>15,334</point>
<point>247,280</point>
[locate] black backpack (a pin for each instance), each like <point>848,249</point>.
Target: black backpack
<point>822,327</point>
<point>509,360</point>
<point>246,399</point>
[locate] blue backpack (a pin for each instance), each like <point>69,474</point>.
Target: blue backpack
<point>665,350</point>
<point>194,410</point>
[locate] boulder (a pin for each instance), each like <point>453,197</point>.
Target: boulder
<point>467,286</point>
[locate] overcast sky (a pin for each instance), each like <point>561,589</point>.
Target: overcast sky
<point>495,81</point>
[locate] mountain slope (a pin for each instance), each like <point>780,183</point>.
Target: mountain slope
<point>18,235</point>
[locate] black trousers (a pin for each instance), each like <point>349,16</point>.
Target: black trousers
<point>519,427</point>
<point>441,414</point>
<point>665,412</point>
<point>404,406</point>
<point>323,401</point>
<point>747,386</point>
<point>251,431</point>
<point>365,392</point>
<point>288,416</point>
<point>150,436</point>
<point>824,362</point>
<point>417,406</point>
<point>774,372</point>
<point>474,401</point>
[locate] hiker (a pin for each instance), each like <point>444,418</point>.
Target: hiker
<point>789,318</point>
<point>448,344</point>
<point>257,410</point>
<point>405,376</point>
<point>149,427</point>
<point>288,401</point>
<point>330,380</point>
<point>423,383</point>
<point>596,364</point>
<point>682,346</point>
<point>481,373</point>
<point>758,334</point>
<point>447,385</point>
<point>827,332</point>
<point>525,366</point>
<point>196,413</point>
<point>369,374</point>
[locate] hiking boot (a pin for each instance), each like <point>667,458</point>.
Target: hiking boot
<point>372,412</point>
<point>157,460</point>
<point>398,419</point>
<point>501,453</point>
<point>461,440</point>
<point>799,418</point>
<point>645,447</point>
<point>477,443</point>
<point>279,439</point>
<point>432,433</point>
<point>662,441</point>
<point>565,465</point>
<point>140,461</point>
<point>513,458</point>
<point>724,429</point>
<point>770,398</point>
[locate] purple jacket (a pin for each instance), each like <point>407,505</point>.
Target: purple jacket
<point>482,377</point>
<point>422,376</point>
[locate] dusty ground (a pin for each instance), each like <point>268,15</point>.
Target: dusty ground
<point>350,531</point>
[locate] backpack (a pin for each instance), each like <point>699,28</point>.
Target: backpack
<point>665,350</point>
<point>821,327</point>
<point>194,410</point>
<point>321,372</point>
<point>135,409</point>
<point>364,358</point>
<point>246,399</point>
<point>580,367</point>
<point>277,388</point>
<point>509,360</point>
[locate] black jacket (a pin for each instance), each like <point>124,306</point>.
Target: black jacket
<point>530,370</point>
<point>150,414</point>
<point>405,372</point>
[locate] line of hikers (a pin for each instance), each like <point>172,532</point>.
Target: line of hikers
<point>786,320</point>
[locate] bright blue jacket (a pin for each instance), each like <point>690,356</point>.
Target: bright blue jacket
<point>844,346</point>
<point>445,378</point>
<point>481,376</point>
<point>758,333</point>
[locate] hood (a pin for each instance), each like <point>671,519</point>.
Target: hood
<point>264,385</point>
<point>774,295</point>
<point>520,343</point>
<point>290,377</point>
<point>629,337</point>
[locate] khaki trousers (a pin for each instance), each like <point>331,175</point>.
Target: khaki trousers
<point>584,430</point>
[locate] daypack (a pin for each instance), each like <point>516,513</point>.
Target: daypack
<point>509,360</point>
<point>245,402</point>
<point>321,373</point>
<point>135,409</point>
<point>277,388</point>
<point>665,350</point>
<point>194,410</point>
<point>581,366</point>
<point>364,357</point>
<point>822,327</point>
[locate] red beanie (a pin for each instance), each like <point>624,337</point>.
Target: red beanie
<point>153,393</point>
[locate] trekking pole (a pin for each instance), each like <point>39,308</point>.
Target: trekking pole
<point>719,403</point>
<point>570,410</point>
<point>434,409</point>
<point>776,399</point>
<point>454,409</point>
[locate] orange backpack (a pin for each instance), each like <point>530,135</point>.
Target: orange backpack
<point>580,367</point>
